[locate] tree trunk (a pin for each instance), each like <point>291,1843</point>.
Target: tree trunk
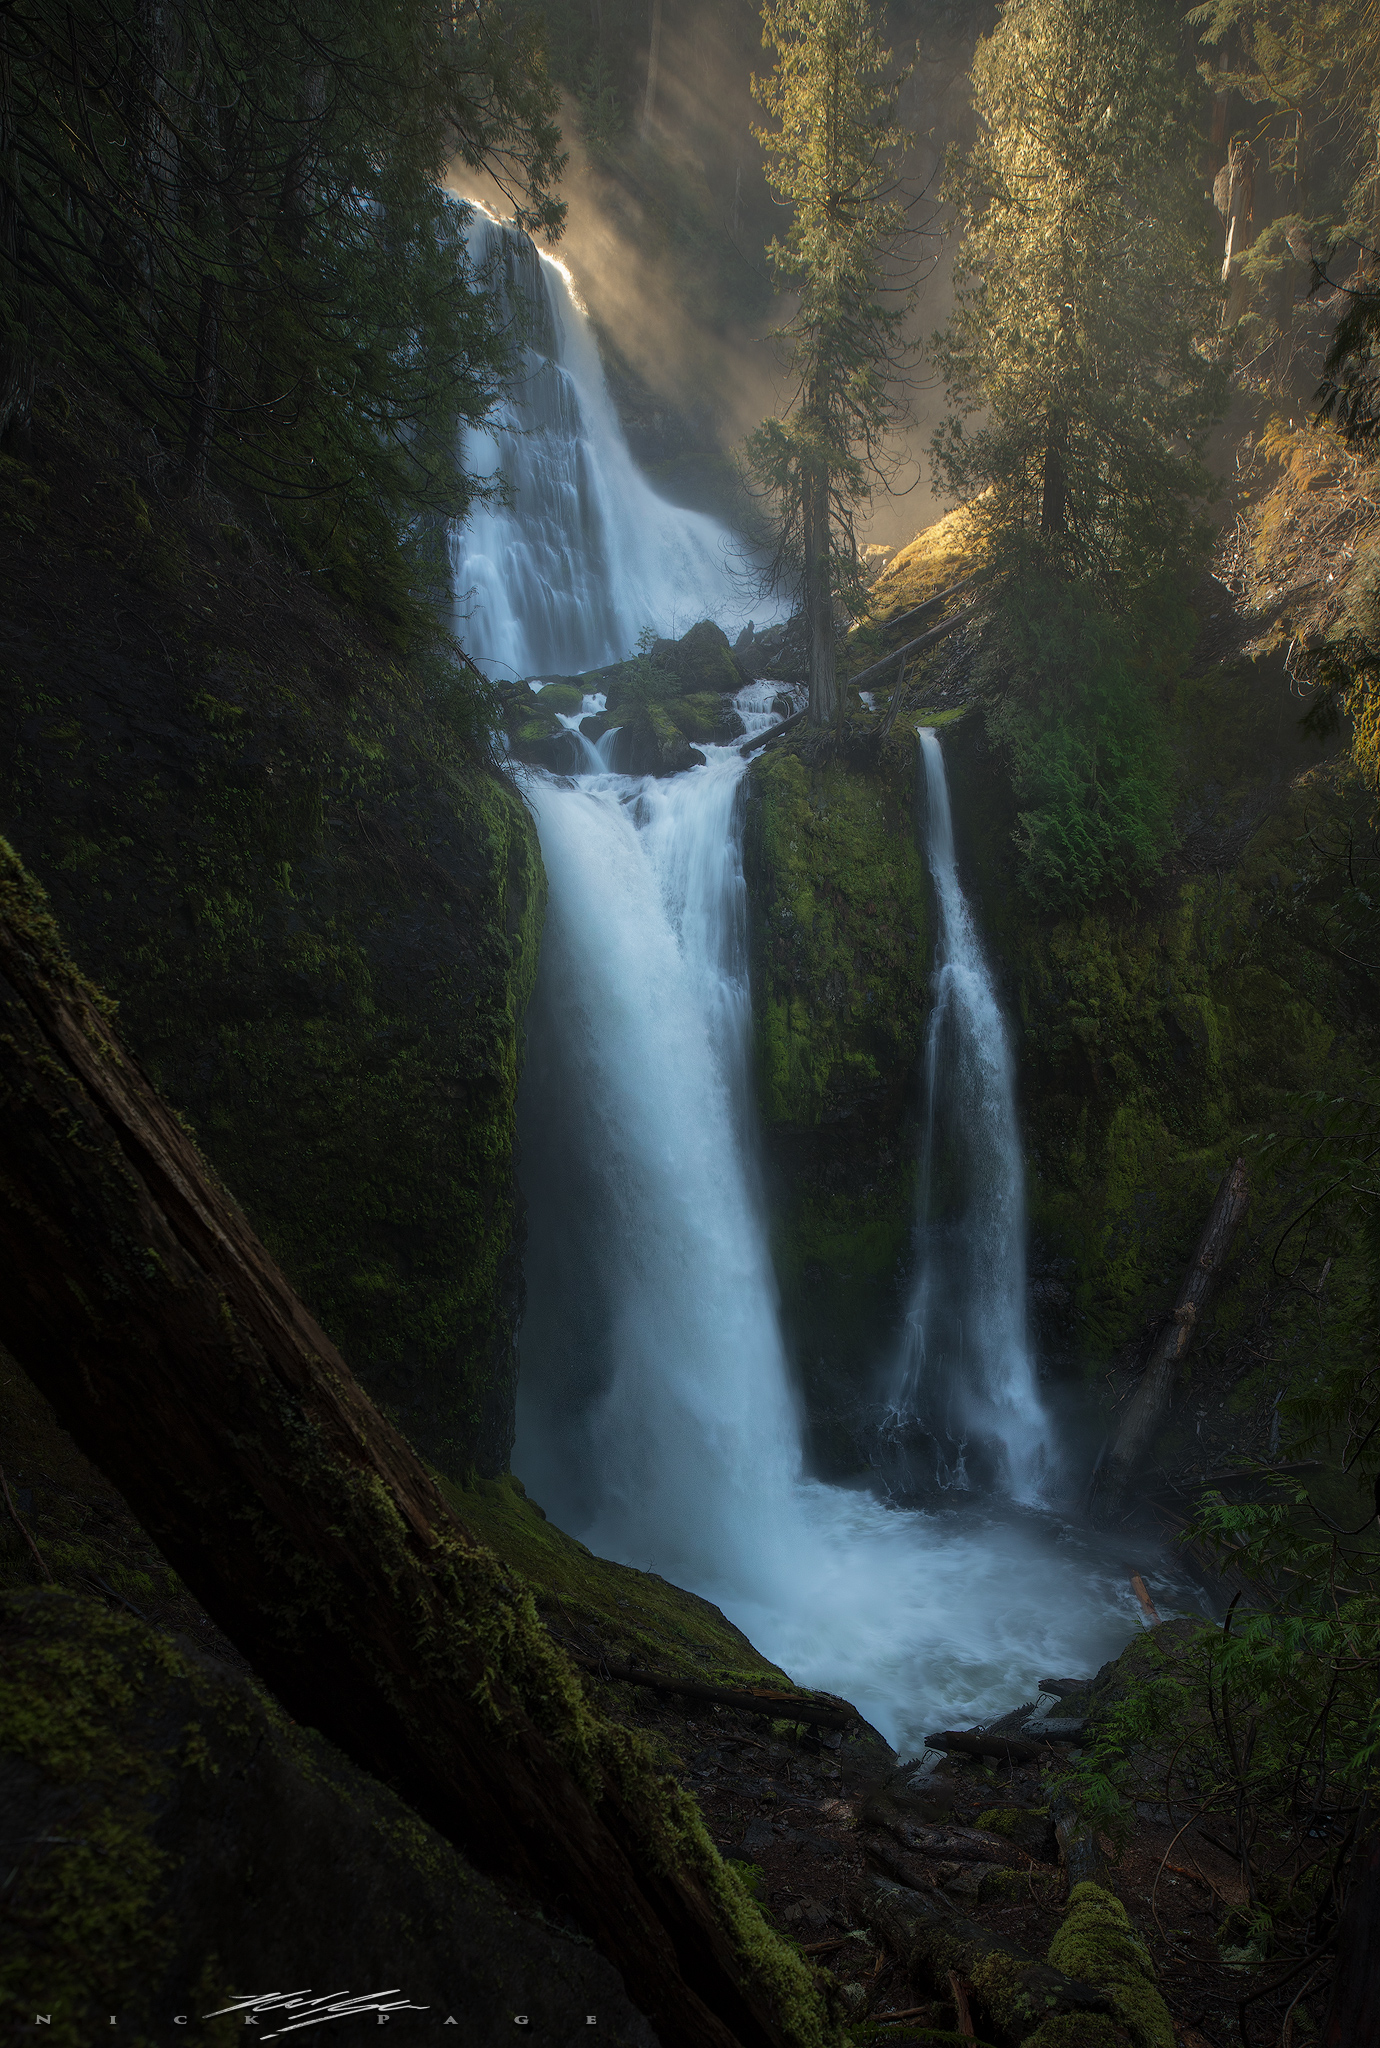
<point>16,347</point>
<point>1118,1462</point>
<point>173,1350</point>
<point>201,421</point>
<point>1054,494</point>
<point>819,605</point>
<point>1353,2015</point>
<point>653,61</point>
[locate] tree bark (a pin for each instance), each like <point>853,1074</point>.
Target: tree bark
<point>201,421</point>
<point>1054,491</point>
<point>1353,2014</point>
<point>1120,1458</point>
<point>173,1350</point>
<point>777,1706</point>
<point>912,647</point>
<point>819,605</point>
<point>16,345</point>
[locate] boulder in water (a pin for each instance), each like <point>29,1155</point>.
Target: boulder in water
<point>701,660</point>
<point>655,745</point>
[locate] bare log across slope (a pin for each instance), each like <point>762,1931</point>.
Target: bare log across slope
<point>1146,1409</point>
<point>174,1351</point>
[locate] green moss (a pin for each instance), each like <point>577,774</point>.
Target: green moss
<point>634,1611</point>
<point>1097,1944</point>
<point>82,1914</point>
<point>840,934</point>
<point>1078,2030</point>
<point>564,697</point>
<point>840,950</point>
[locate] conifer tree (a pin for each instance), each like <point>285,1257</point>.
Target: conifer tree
<point>1082,293</point>
<point>834,156</point>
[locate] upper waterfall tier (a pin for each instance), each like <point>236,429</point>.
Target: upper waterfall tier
<point>585,555</point>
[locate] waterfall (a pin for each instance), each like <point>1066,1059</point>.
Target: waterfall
<point>965,1391</point>
<point>657,1418</point>
<point>584,555</point>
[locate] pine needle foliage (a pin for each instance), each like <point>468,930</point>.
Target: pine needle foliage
<point>834,156</point>
<point>1082,288</point>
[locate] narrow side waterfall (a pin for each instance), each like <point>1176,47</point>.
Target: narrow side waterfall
<point>966,1405</point>
<point>585,555</point>
<point>656,1414</point>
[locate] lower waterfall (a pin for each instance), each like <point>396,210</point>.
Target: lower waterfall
<point>656,1415</point>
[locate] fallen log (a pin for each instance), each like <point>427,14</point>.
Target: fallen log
<point>173,1350</point>
<point>902,620</point>
<point>910,648</point>
<point>1011,1749</point>
<point>764,739</point>
<point>1122,1454</point>
<point>778,1706</point>
<point>1011,1990</point>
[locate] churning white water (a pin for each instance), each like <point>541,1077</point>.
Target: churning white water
<point>566,575</point>
<point>965,1384</point>
<point>656,1414</point>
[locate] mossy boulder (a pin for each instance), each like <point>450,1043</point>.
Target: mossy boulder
<point>701,660</point>
<point>319,911</point>
<point>564,697</point>
<point>187,1844</point>
<point>652,743</point>
<point>705,717</point>
<point>1096,1944</point>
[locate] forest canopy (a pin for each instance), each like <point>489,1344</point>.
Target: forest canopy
<point>232,221</point>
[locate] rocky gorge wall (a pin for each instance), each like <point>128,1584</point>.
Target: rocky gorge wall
<point>279,847</point>
<point>841,943</point>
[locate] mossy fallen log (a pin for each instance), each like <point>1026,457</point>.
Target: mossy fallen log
<point>175,1353</point>
<point>1146,1408</point>
<point>777,1706</point>
<point>1011,1991</point>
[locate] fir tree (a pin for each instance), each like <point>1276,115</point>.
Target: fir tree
<point>1082,291</point>
<point>834,157</point>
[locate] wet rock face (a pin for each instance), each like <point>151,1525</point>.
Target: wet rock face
<point>218,1851</point>
<point>666,704</point>
<point>841,956</point>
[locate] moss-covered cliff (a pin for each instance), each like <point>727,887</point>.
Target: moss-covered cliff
<point>1155,1038</point>
<point>840,949</point>
<point>319,910</point>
